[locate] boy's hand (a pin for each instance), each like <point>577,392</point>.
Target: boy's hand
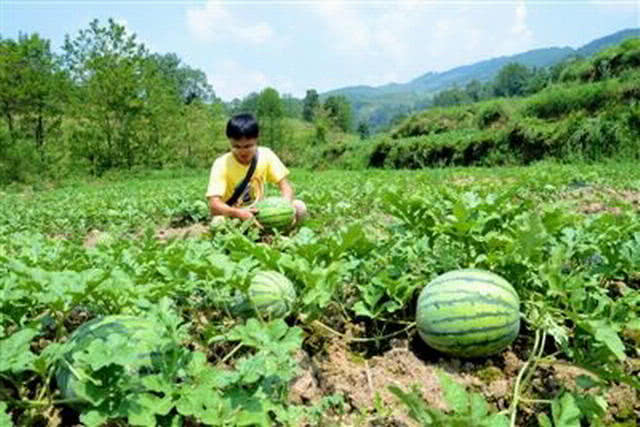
<point>245,214</point>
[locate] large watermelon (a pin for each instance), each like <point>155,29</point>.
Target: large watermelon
<point>272,294</point>
<point>142,335</point>
<point>468,313</point>
<point>275,213</point>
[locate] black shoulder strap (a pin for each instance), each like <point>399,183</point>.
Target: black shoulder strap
<point>241,187</point>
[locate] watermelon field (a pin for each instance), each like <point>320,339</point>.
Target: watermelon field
<point>120,305</point>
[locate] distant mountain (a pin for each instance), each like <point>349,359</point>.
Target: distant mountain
<point>605,42</point>
<point>379,104</point>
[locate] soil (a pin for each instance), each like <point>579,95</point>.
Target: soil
<point>364,382</point>
<point>596,199</point>
<point>193,230</point>
<point>94,237</point>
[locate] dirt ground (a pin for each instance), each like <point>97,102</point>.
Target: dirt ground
<point>163,234</point>
<point>364,383</point>
<point>596,199</point>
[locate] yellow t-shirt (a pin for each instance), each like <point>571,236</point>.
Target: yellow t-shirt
<point>227,173</point>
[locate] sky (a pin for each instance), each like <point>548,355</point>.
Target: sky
<point>244,46</point>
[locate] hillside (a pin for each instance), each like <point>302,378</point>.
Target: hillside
<point>378,105</point>
<point>591,114</point>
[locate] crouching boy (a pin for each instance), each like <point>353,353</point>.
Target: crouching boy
<point>237,179</point>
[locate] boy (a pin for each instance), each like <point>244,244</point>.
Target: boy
<point>229,171</point>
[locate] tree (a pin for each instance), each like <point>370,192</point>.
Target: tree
<point>339,110</point>
<point>270,115</point>
<point>249,103</point>
<point>309,104</point>
<point>291,106</point>
<point>475,90</point>
<point>449,97</point>
<point>538,80</point>
<point>32,87</point>
<point>363,130</point>
<point>191,84</point>
<point>124,99</point>
<point>511,80</point>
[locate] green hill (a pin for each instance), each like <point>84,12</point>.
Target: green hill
<point>592,113</point>
<point>378,105</point>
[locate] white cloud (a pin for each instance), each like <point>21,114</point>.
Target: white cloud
<point>519,28</point>
<point>231,79</point>
<point>521,36</point>
<point>350,32</point>
<point>380,32</point>
<point>214,22</point>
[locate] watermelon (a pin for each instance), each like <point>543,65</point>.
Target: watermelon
<point>468,313</point>
<point>143,334</point>
<point>272,294</point>
<point>275,213</point>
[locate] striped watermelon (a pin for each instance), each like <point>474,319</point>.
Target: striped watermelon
<point>272,294</point>
<point>275,213</point>
<point>468,313</point>
<point>143,335</point>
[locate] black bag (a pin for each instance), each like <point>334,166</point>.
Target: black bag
<point>241,187</point>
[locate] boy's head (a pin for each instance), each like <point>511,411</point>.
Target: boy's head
<point>243,131</point>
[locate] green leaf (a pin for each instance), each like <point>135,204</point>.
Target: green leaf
<point>16,352</point>
<point>544,420</point>
<point>5,419</point>
<point>586,382</point>
<point>143,408</point>
<point>634,324</point>
<point>454,394</point>
<point>604,333</point>
<point>93,418</point>
<point>565,412</point>
<point>418,409</point>
<point>479,407</point>
<point>496,420</point>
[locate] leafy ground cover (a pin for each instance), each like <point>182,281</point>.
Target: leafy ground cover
<point>566,237</point>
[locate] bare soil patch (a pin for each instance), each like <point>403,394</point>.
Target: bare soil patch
<point>596,199</point>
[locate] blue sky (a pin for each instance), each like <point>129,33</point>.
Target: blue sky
<point>247,45</point>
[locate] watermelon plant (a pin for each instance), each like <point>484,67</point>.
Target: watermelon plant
<point>359,265</point>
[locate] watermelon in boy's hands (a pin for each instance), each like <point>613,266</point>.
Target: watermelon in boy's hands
<point>275,213</point>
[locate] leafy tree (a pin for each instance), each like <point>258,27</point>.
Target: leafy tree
<point>363,130</point>
<point>291,106</point>
<point>512,80</point>
<point>249,104</point>
<point>538,80</point>
<point>476,91</point>
<point>270,113</point>
<point>189,83</point>
<point>453,96</point>
<point>339,111</point>
<point>125,100</point>
<point>310,104</point>
<point>32,89</point>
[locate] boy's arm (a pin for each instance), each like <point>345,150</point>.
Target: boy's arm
<point>219,207</point>
<point>286,189</point>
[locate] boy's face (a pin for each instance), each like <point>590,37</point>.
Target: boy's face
<point>244,149</point>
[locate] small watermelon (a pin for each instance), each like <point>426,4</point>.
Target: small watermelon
<point>272,294</point>
<point>468,313</point>
<point>143,334</point>
<point>275,213</point>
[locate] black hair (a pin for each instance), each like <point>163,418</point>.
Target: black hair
<point>242,126</point>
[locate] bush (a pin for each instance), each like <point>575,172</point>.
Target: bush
<point>491,113</point>
<point>557,101</point>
